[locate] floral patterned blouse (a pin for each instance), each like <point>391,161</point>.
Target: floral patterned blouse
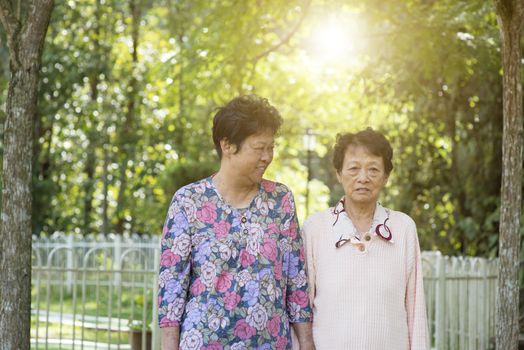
<point>232,278</point>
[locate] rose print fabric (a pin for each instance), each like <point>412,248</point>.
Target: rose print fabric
<point>232,278</point>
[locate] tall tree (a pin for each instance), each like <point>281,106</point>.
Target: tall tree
<point>510,16</point>
<point>25,25</point>
<point>128,134</point>
<point>92,135</point>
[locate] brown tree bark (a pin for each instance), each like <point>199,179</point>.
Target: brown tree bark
<point>128,134</point>
<point>25,38</point>
<point>178,31</point>
<point>510,14</point>
<point>92,133</point>
<point>105,191</point>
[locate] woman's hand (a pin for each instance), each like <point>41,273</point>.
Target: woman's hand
<point>304,333</point>
<point>170,338</point>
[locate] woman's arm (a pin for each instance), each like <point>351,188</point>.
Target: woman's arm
<point>310,260</point>
<point>169,338</point>
<point>415,301</point>
<point>175,266</point>
<point>304,334</point>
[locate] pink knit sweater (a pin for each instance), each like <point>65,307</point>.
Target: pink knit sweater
<point>368,294</point>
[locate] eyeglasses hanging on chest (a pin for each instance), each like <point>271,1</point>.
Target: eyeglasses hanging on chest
<point>381,230</point>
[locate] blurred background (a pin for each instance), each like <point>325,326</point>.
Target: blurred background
<point>129,88</point>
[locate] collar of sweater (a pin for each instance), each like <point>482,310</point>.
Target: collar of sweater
<point>343,226</point>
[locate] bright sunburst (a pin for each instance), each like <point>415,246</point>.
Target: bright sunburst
<point>335,41</point>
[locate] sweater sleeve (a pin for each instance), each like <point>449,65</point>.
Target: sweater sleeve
<point>415,301</point>
<point>307,235</point>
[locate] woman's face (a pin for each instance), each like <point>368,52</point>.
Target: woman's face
<point>362,175</point>
<point>254,156</point>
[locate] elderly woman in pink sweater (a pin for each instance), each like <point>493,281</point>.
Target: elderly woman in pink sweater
<point>363,259</point>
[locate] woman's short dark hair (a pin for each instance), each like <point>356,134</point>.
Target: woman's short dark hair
<point>242,117</point>
<point>374,141</point>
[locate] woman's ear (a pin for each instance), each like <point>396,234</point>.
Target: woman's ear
<point>338,177</point>
<point>224,146</point>
<point>227,147</point>
<point>386,180</point>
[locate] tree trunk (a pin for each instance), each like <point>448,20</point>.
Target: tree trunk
<point>92,133</point>
<point>25,39</point>
<point>105,204</point>
<point>90,165</point>
<point>509,16</point>
<point>128,136</point>
<point>177,30</point>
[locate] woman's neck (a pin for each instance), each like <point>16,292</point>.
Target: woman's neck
<point>361,214</point>
<point>233,191</point>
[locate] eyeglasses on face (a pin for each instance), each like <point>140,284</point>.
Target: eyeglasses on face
<point>260,150</point>
<point>371,172</point>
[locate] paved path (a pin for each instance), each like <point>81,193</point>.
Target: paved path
<point>91,322</point>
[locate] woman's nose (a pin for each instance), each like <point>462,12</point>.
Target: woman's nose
<point>362,175</point>
<point>267,155</point>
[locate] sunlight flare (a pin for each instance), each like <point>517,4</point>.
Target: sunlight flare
<point>336,42</point>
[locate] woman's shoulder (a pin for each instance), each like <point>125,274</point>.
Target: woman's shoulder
<point>188,190</point>
<point>401,217</point>
<point>319,218</point>
<point>274,187</point>
<point>403,224</point>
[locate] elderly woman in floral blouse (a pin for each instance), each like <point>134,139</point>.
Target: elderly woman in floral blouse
<point>232,262</point>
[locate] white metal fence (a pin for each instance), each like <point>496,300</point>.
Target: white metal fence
<point>94,292</point>
<point>99,292</point>
<point>460,300</point>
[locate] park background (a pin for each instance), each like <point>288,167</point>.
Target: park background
<point>128,89</point>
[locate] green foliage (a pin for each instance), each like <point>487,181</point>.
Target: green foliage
<point>181,173</point>
<point>448,172</point>
<point>117,134</point>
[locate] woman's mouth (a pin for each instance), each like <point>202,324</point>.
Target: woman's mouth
<point>362,190</point>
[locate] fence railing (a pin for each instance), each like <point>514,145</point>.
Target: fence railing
<point>95,292</point>
<point>99,292</point>
<point>460,300</point>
